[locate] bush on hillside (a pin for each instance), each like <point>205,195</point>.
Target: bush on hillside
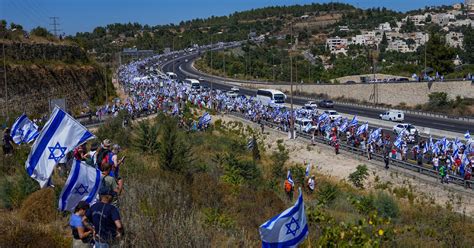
<point>358,177</point>
<point>145,137</point>
<point>40,206</point>
<point>386,206</point>
<point>14,190</point>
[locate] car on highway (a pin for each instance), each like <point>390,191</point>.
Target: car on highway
<point>393,115</point>
<point>332,114</point>
<point>201,79</point>
<point>312,104</point>
<point>412,132</point>
<point>233,92</point>
<point>326,104</point>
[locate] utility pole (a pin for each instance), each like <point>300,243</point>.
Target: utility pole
<point>292,122</point>
<point>55,25</point>
<point>6,85</point>
<point>426,48</point>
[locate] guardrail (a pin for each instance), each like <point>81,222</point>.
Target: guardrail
<point>377,157</point>
<point>413,112</point>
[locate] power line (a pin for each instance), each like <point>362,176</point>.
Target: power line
<point>55,25</point>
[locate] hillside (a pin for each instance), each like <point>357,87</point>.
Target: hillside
<point>39,70</point>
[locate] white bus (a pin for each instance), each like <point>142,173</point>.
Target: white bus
<point>172,75</point>
<point>194,83</point>
<point>270,97</point>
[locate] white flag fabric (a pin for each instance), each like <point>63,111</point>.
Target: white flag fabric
<point>290,178</point>
<point>287,229</point>
<point>24,130</point>
<point>82,184</point>
<point>61,134</point>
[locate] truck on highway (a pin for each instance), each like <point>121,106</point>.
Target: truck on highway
<point>393,115</point>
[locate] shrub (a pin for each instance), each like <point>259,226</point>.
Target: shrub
<point>279,159</point>
<point>174,154</point>
<point>358,177</point>
<point>146,137</point>
<point>40,206</point>
<point>13,191</point>
<point>386,206</point>
<point>114,130</point>
<point>327,192</point>
<point>213,216</point>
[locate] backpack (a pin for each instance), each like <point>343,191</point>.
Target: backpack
<point>288,186</point>
<point>103,152</point>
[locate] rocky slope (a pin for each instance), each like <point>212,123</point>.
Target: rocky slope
<point>37,72</point>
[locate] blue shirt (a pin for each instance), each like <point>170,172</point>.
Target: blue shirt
<point>75,221</point>
<point>103,217</point>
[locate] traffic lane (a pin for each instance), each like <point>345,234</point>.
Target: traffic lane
<point>366,112</point>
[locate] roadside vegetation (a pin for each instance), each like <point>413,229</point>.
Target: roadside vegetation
<point>202,189</point>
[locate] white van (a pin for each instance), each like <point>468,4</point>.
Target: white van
<point>393,115</point>
<point>172,75</point>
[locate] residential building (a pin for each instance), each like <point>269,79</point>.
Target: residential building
<point>331,43</point>
<point>344,28</point>
<point>384,27</point>
<point>454,39</point>
<point>469,5</point>
<point>398,46</point>
<point>441,19</point>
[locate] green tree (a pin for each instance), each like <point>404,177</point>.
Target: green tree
<point>173,152</point>
<point>384,43</point>
<point>41,32</point>
<point>439,55</point>
<point>468,45</point>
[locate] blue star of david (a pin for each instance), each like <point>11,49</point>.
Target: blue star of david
<point>19,132</point>
<point>81,189</point>
<point>53,149</point>
<point>292,231</point>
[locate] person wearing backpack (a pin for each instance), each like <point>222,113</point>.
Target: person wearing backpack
<point>102,153</point>
<point>289,190</point>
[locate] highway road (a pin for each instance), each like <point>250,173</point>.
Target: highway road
<point>182,68</point>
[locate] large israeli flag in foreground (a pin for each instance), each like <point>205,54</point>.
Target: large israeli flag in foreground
<point>60,135</point>
<point>81,185</point>
<point>287,229</point>
<point>24,130</point>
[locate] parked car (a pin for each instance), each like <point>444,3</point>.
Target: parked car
<point>393,115</point>
<point>312,104</point>
<point>326,104</point>
<point>332,114</point>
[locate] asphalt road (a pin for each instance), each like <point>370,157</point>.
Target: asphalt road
<point>423,121</point>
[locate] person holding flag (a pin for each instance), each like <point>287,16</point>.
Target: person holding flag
<point>24,130</point>
<point>289,186</point>
<point>287,229</point>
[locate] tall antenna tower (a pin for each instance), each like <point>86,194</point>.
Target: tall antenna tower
<point>55,25</point>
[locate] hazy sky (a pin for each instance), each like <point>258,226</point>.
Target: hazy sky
<point>84,15</point>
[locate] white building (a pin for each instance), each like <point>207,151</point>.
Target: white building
<point>442,19</point>
<point>384,27</point>
<point>344,28</point>
<point>398,46</point>
<point>418,20</point>
<point>454,39</point>
<point>359,40</point>
<point>332,43</point>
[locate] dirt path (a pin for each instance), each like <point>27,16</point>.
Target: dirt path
<point>326,162</point>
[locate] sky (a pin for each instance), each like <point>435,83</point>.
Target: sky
<point>85,15</point>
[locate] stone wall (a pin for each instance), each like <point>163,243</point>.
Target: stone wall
<point>389,93</point>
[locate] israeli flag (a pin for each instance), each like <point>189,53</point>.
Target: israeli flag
<point>363,128</point>
<point>399,141</point>
<point>467,135</point>
<point>308,127</point>
<point>344,125</point>
<point>308,169</point>
<point>374,135</point>
<point>290,178</point>
<point>205,119</point>
<point>81,185</point>
<point>288,229</point>
<point>354,121</point>
<point>323,117</point>
<point>60,135</point>
<point>24,130</point>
